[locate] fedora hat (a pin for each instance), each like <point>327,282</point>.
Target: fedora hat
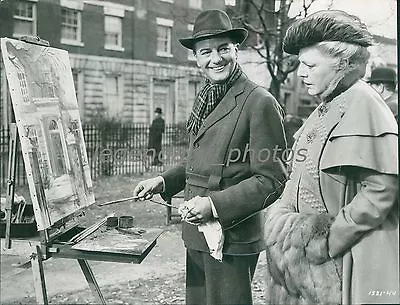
<point>213,23</point>
<point>382,75</point>
<point>158,110</point>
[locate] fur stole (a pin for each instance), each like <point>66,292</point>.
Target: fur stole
<point>299,269</point>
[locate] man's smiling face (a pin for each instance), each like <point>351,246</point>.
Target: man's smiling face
<point>216,57</point>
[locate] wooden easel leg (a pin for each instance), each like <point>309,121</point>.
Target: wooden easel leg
<point>38,277</point>
<point>12,165</point>
<point>94,287</point>
<point>169,213</point>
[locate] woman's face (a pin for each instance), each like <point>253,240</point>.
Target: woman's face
<point>216,58</point>
<point>317,70</point>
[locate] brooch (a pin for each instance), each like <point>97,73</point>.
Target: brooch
<point>311,136</point>
<point>323,109</point>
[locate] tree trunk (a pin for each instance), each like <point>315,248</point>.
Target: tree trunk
<point>275,89</point>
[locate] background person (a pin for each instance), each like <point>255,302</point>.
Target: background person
<point>229,114</point>
<point>333,236</point>
<point>157,128</point>
<point>384,81</point>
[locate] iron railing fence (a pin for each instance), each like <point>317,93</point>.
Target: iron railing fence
<point>115,149</point>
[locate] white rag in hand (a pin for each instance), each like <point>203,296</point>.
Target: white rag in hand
<point>214,236</point>
<point>212,231</point>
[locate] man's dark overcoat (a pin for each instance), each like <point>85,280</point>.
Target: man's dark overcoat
<point>155,135</point>
<point>234,159</point>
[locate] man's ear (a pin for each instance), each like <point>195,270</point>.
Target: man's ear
<point>343,64</point>
<point>236,49</point>
<point>195,56</point>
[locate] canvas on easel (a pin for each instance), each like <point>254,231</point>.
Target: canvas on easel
<point>50,130</point>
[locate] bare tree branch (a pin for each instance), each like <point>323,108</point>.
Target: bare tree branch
<point>262,18</point>
<point>307,6</point>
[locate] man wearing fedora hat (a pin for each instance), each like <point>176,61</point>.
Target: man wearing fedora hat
<point>157,128</point>
<point>229,176</point>
<point>384,81</point>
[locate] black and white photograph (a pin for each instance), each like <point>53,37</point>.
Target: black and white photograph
<point>215,152</point>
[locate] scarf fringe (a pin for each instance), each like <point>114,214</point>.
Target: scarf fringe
<point>208,98</point>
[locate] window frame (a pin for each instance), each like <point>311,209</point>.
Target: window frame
<point>196,85</point>
<point>118,46</point>
<point>168,24</point>
<point>78,40</point>
<point>33,19</point>
<point>119,97</point>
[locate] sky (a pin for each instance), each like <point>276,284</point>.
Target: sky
<point>379,15</point>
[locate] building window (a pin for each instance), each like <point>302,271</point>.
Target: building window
<point>230,2</point>
<point>164,29</point>
<point>163,96</point>
<point>195,4</point>
<point>190,52</point>
<point>24,18</point>
<point>71,26</point>
<point>113,33</point>
<point>194,88</point>
<point>113,95</point>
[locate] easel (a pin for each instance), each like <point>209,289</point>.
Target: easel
<point>12,165</point>
<point>54,240</point>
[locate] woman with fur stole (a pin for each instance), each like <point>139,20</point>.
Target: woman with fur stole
<point>332,237</point>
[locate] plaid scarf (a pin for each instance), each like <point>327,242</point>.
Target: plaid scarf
<point>208,98</point>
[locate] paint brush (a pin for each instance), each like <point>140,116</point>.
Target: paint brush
<point>85,233</point>
<point>136,198</point>
<point>118,201</point>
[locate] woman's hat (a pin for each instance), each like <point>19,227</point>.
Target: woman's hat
<point>158,110</point>
<point>382,75</point>
<point>332,25</point>
<point>213,23</point>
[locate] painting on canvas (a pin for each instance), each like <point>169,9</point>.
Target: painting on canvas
<point>50,131</point>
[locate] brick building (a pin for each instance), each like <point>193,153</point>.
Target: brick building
<point>126,59</point>
<point>294,96</point>
<point>125,56</point>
